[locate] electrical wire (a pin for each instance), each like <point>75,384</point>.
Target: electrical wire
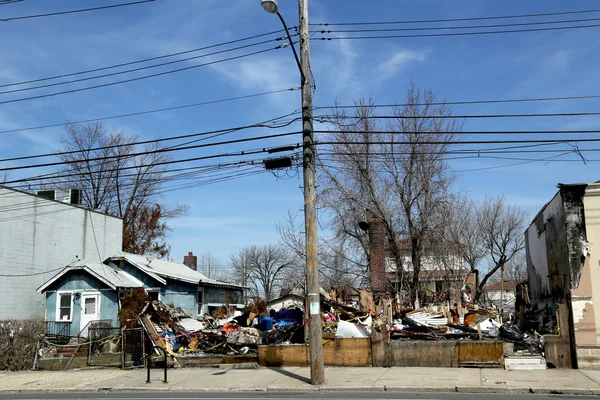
<point>140,77</point>
<point>263,124</point>
<point>466,102</point>
<point>523,132</point>
<point>562,28</point>
<point>458,19</point>
<point>89,78</point>
<point>145,59</point>
<point>207,157</point>
<point>326,118</point>
<point>75,11</point>
<point>438,28</point>
<point>32,274</point>
<point>249,96</point>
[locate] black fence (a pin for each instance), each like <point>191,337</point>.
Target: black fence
<point>103,347</point>
<point>57,330</point>
<point>132,350</point>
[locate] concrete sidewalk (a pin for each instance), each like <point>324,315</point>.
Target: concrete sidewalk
<point>227,378</point>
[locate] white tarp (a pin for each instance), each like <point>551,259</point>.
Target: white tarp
<point>349,330</point>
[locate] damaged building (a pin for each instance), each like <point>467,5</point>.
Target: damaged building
<point>564,275</point>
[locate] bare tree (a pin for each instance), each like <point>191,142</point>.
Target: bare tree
<point>210,265</point>
<point>261,268</point>
<point>337,268</point>
<point>502,227</point>
<point>102,163</point>
<point>399,174</point>
<point>463,235</point>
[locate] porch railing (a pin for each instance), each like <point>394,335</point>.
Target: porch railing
<point>59,330</point>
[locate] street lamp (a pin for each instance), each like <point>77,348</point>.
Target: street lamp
<point>317,369</point>
<point>270,6</point>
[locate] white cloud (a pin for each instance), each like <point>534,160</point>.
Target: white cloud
<point>394,64</point>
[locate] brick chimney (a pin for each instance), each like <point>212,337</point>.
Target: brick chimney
<point>377,242</point>
<point>191,261</point>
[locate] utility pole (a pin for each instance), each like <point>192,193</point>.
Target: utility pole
<point>313,296</point>
<point>317,368</point>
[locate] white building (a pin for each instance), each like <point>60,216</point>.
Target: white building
<point>39,236</point>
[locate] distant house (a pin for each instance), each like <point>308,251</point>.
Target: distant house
<point>441,278</point>
<point>39,234</point>
<point>502,295</point>
<point>288,298</point>
<point>83,291</point>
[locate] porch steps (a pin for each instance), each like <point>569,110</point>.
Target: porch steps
<point>73,349</point>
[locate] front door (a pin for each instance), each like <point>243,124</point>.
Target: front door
<point>90,311</point>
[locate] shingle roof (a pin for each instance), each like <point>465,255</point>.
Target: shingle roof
<point>508,285</point>
<point>167,269</point>
<point>110,276</point>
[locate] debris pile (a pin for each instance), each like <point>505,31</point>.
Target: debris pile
<point>226,332</point>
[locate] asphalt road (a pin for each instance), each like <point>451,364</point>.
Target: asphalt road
<point>169,395</point>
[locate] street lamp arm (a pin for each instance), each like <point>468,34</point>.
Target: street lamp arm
<point>287,32</point>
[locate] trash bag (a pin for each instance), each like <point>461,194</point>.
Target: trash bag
<point>510,332</point>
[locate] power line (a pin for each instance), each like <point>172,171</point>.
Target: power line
<point>439,28</point>
<point>239,153</point>
<point>204,103</point>
<point>140,78</point>
<point>89,78</point>
<point>201,169</point>
<point>262,124</point>
<point>32,274</point>
<point>74,11</point>
<point>157,151</point>
<point>458,19</point>
<point>145,59</point>
<point>458,33</point>
<point>523,132</point>
<point>323,118</point>
<point>465,102</point>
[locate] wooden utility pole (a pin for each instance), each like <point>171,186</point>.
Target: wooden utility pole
<point>317,368</point>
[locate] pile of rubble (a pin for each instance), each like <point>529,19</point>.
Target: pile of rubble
<point>235,332</point>
<point>183,335</point>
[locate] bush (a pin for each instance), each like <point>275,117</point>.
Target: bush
<point>18,343</point>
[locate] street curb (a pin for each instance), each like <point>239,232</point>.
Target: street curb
<point>409,389</point>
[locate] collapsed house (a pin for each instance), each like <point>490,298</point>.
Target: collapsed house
<point>563,280</point>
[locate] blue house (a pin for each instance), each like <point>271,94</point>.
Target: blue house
<point>83,292</point>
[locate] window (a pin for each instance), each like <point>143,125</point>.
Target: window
<point>89,308</point>
<point>65,306</point>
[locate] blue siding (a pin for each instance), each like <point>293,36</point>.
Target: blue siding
<point>180,294</point>
<point>148,281</point>
<point>51,306</point>
<point>78,282</point>
<point>214,294</point>
<point>109,307</point>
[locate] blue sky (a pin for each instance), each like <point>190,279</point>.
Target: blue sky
<point>226,216</point>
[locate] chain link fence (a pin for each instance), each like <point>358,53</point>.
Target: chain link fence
<point>103,348</point>
<point>132,350</point>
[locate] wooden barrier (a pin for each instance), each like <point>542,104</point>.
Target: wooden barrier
<point>337,353</point>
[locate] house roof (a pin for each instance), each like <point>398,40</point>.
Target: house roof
<point>110,276</point>
<point>508,285</point>
<point>287,296</point>
<point>160,269</point>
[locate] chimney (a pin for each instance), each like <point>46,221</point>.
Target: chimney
<point>191,261</point>
<point>377,241</point>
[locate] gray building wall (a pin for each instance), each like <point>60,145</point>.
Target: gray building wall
<point>38,237</point>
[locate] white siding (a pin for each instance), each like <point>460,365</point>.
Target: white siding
<point>38,236</point>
